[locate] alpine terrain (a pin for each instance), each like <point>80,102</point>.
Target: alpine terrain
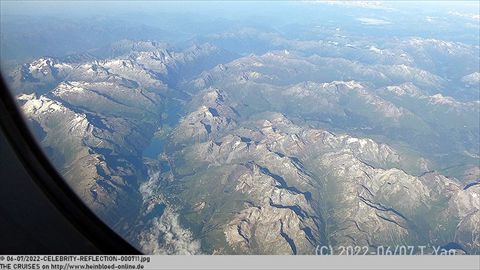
<point>251,139</point>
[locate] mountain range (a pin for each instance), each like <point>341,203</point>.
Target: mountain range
<point>208,149</point>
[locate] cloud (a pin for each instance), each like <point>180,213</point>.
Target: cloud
<point>165,235</point>
<point>373,21</point>
<point>358,4</point>
<point>470,16</point>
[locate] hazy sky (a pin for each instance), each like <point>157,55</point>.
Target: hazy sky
<point>54,23</point>
<point>215,8</point>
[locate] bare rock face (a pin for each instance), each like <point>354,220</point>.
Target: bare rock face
<point>268,231</point>
<point>208,119</point>
<point>305,187</point>
<point>82,148</point>
<point>277,220</point>
<point>464,205</point>
<point>373,202</point>
<point>328,96</point>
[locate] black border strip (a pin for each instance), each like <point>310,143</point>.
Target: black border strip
<point>52,183</point>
